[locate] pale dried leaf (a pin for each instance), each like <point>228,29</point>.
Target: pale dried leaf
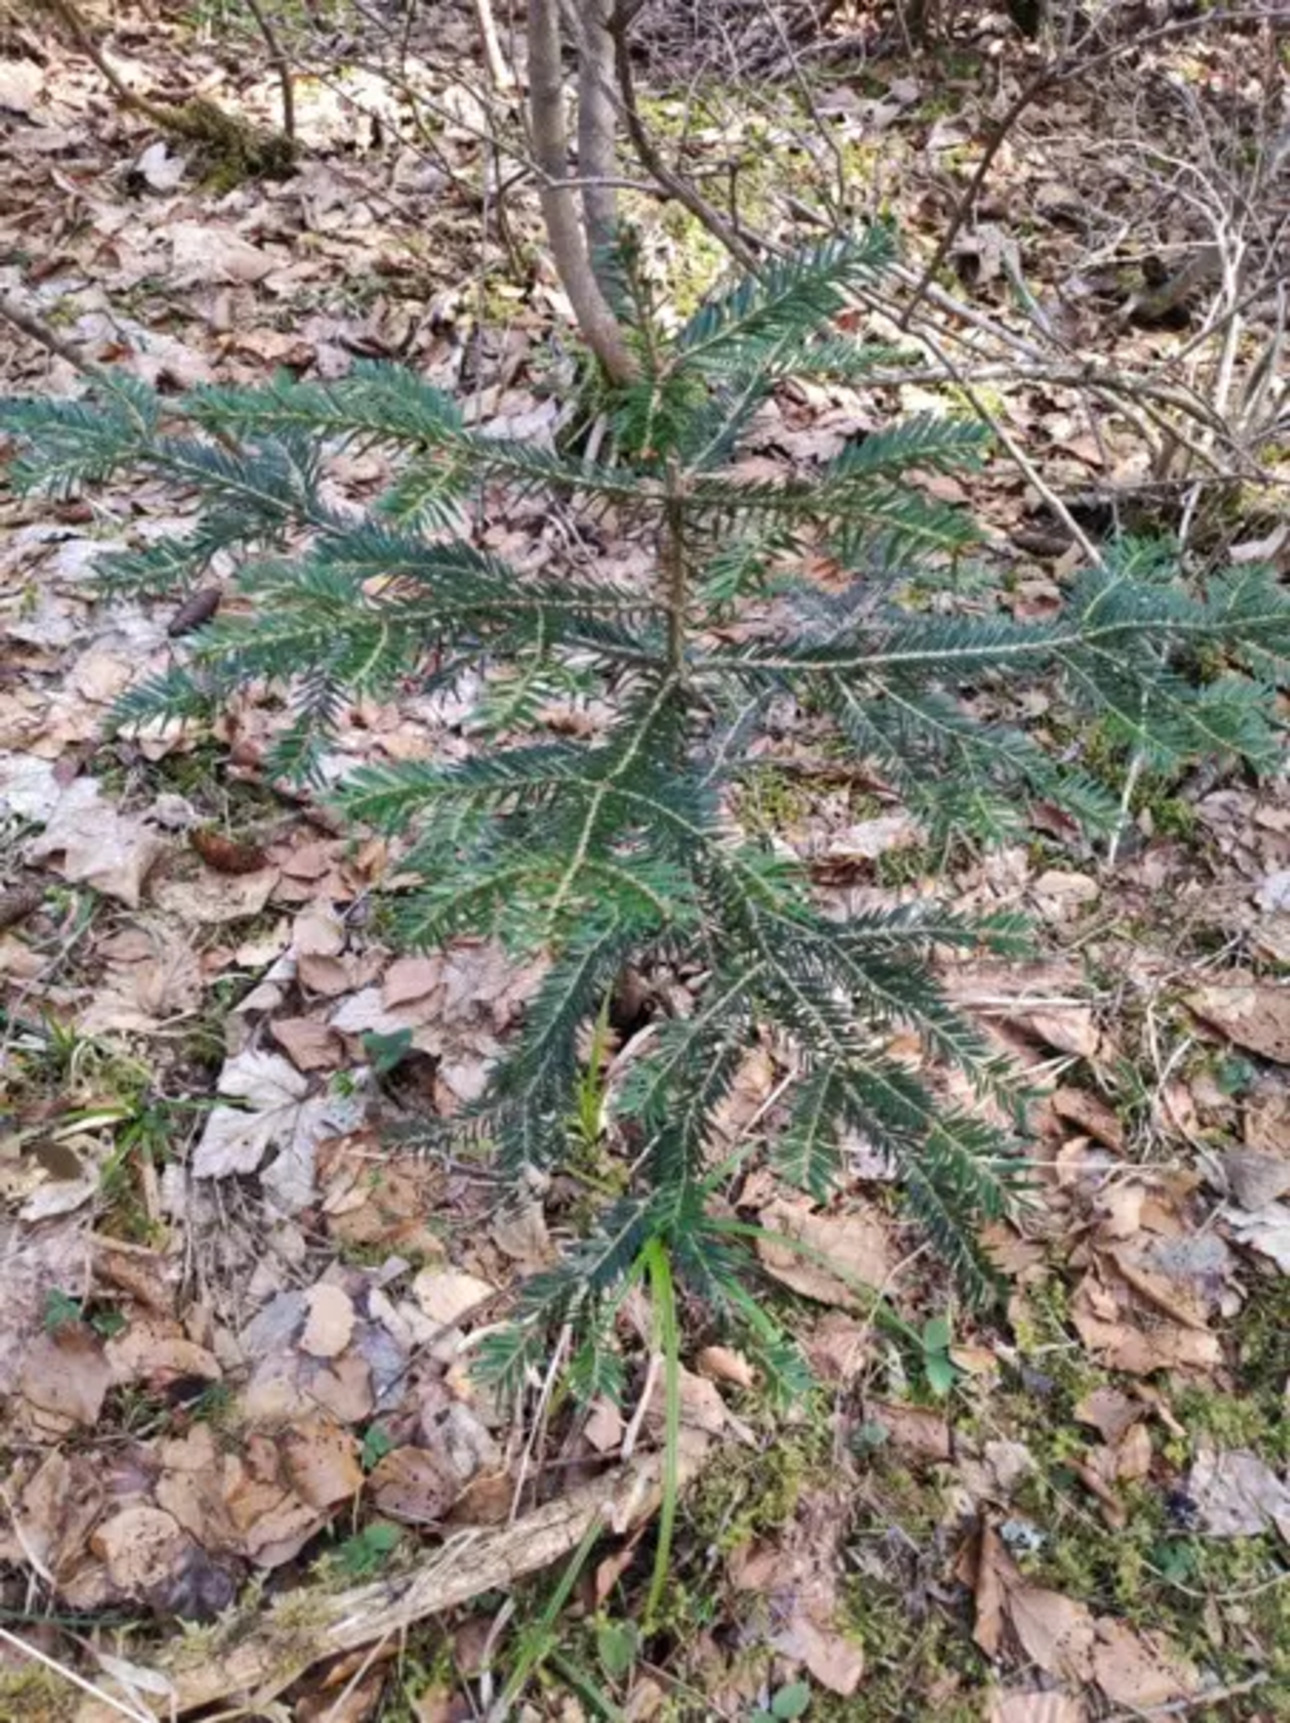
<point>1237,1494</point>
<point>414,1485</point>
<point>1256,1017</point>
<point>143,1548</point>
<point>100,847</point>
<point>445,1295</point>
<point>329,1323</point>
<point>855,1242</point>
<point>308,1043</point>
<point>1055,1631</point>
<point>1139,1670</point>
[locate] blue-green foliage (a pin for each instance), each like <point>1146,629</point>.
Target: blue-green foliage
<point>623,849</point>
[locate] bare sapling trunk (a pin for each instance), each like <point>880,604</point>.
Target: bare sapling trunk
<point>561,208</point>
<point>597,126</point>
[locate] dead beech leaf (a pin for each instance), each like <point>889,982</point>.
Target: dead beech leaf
<point>59,1505</point>
<point>143,1548</point>
<point>321,1462</point>
<point>1054,1631</point>
<point>214,899</point>
<point>856,1242</point>
<point>913,1429</point>
<point>1091,1114</point>
<point>203,252</point>
<point>329,1325</point>
<point>1140,1670</point>
<point>65,1378</point>
<point>309,1044</point>
<point>447,1294</point>
<point>836,1662</point>
<point>110,851</point>
<point>1256,1017</point>
<point>1238,1495</point>
<point>414,1485</point>
<point>1109,1412</point>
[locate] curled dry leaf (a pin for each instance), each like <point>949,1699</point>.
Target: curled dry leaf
<point>724,1364</point>
<point>225,854</point>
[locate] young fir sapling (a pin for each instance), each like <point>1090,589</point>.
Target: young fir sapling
<point>623,849</point>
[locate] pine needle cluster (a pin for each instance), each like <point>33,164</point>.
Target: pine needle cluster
<point>623,849</point>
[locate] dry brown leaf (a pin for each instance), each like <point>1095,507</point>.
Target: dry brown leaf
<point>1256,1016</point>
<point>1091,1114</point>
<point>143,1548</point>
<point>1238,1495</point>
<point>318,932</point>
<point>64,1378</point>
<point>724,1364</point>
<point>1109,1411</point>
<point>838,1347</point>
<point>855,1242</point>
<point>412,980</point>
<point>214,900</point>
<point>988,1568</point>
<point>58,1506</point>
<point>110,851</point>
<point>604,1426</point>
<point>445,1295</point>
<point>329,1324</point>
<point>308,1043</point>
<point>836,1662</point>
<point>321,1462</point>
<point>236,1139</point>
<point>1054,1631</point>
<point>35,1261</point>
<point>913,1429</point>
<point>415,1486</point>
<point>153,1348</point>
<point>1140,1670</point>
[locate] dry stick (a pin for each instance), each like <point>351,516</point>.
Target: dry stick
<point>500,74</point>
<point>260,1657</point>
<point>674,184</point>
<point>1019,456</point>
<point>600,328</point>
<point>39,331</point>
<point>1062,71</point>
<point>281,65</point>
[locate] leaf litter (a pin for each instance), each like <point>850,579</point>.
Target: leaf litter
<point>300,1283</point>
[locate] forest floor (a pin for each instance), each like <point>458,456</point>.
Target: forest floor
<point>236,1409</point>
